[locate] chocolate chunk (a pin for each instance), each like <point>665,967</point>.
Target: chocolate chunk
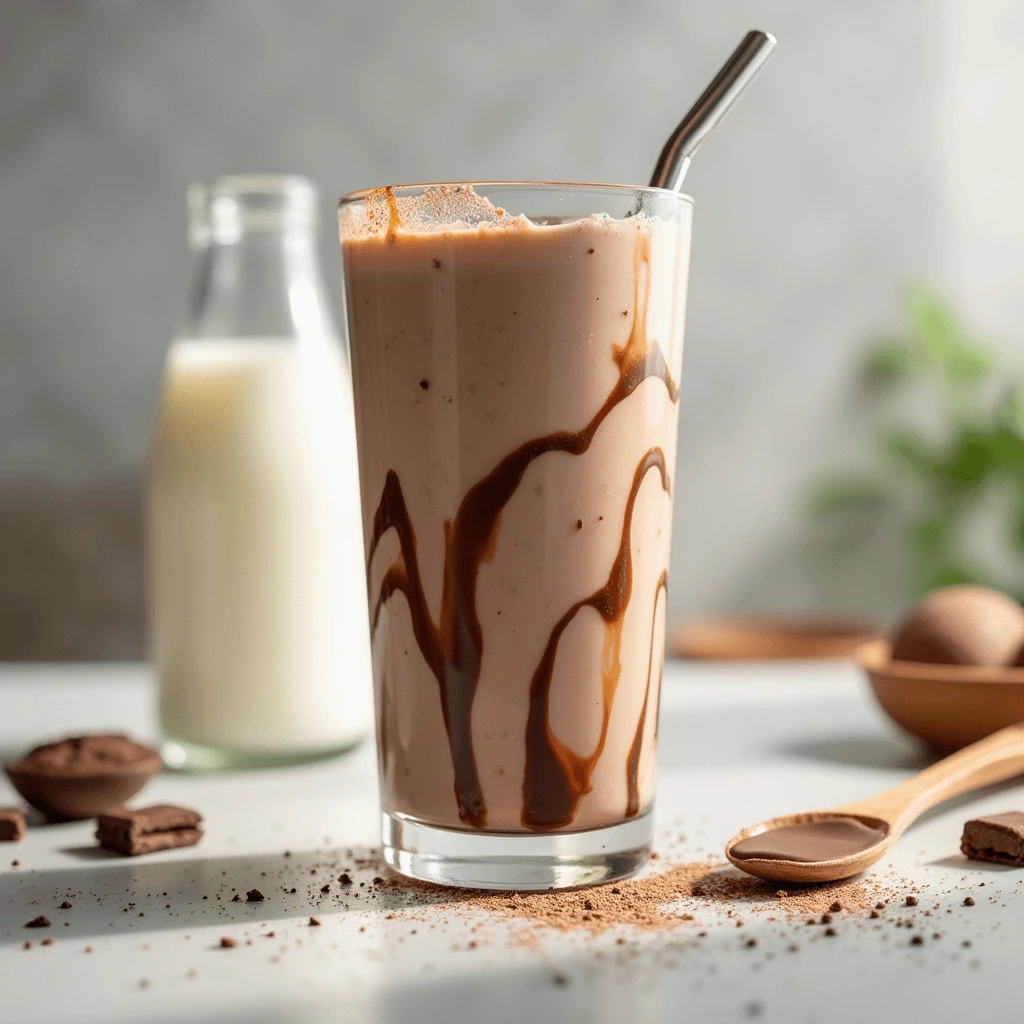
<point>161,827</point>
<point>830,932</point>
<point>836,907</point>
<point>254,896</point>
<point>38,922</point>
<point>227,942</point>
<point>65,905</point>
<point>911,901</point>
<point>314,922</point>
<point>12,824</point>
<point>968,902</point>
<point>82,776</point>
<point>325,888</point>
<point>998,838</point>
<point>917,940</point>
<point>345,878</point>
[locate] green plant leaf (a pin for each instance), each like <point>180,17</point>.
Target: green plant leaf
<point>910,451</point>
<point>938,478</point>
<point>944,340</point>
<point>950,576</point>
<point>972,458</point>
<point>1010,414</point>
<point>893,359</point>
<point>844,496</point>
<point>1008,454</point>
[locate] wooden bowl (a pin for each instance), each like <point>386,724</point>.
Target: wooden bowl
<point>947,706</point>
<point>769,639</point>
<point>71,792</point>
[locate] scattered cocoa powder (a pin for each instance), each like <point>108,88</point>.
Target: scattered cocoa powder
<point>640,903</point>
<point>670,898</point>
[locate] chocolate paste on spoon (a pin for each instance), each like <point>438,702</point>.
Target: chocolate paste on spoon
<point>811,841</point>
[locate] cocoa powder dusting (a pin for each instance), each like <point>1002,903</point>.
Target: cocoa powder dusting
<point>672,898</point>
<point>642,903</point>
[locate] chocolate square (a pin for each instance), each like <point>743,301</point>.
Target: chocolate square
<point>997,838</point>
<point>161,827</point>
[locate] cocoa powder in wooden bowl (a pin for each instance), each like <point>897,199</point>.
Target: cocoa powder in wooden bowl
<point>81,776</point>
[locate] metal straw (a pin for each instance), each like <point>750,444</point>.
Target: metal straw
<point>736,74</point>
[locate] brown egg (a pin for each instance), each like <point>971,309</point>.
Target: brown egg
<point>963,625</point>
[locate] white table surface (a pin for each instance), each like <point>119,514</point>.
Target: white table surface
<point>738,744</point>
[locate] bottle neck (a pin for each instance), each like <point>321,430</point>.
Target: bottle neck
<point>264,283</point>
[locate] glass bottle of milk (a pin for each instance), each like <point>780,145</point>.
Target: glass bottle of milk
<point>258,609</point>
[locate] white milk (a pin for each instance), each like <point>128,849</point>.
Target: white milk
<point>257,589</point>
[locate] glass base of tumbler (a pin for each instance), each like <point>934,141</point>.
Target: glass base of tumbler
<point>515,860</point>
<point>185,756</point>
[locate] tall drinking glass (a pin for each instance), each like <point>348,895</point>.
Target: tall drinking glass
<point>516,350</point>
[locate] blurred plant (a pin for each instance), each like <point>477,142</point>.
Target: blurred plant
<point>940,479</point>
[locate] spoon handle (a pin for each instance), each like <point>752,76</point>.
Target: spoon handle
<point>994,759</point>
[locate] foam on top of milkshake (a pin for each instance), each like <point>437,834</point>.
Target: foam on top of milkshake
<point>439,209</point>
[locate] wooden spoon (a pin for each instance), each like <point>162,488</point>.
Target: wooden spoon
<point>993,759</point>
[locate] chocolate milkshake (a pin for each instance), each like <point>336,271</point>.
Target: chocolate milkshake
<point>516,383</point>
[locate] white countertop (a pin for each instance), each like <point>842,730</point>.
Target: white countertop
<point>738,744</point>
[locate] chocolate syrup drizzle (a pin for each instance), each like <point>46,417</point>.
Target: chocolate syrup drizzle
<point>453,647</point>
<point>633,760</point>
<point>556,776</point>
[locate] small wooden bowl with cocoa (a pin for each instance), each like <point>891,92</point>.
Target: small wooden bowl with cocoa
<point>953,671</point>
<point>82,776</point>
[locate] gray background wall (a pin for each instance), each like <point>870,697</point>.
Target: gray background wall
<point>883,142</point>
